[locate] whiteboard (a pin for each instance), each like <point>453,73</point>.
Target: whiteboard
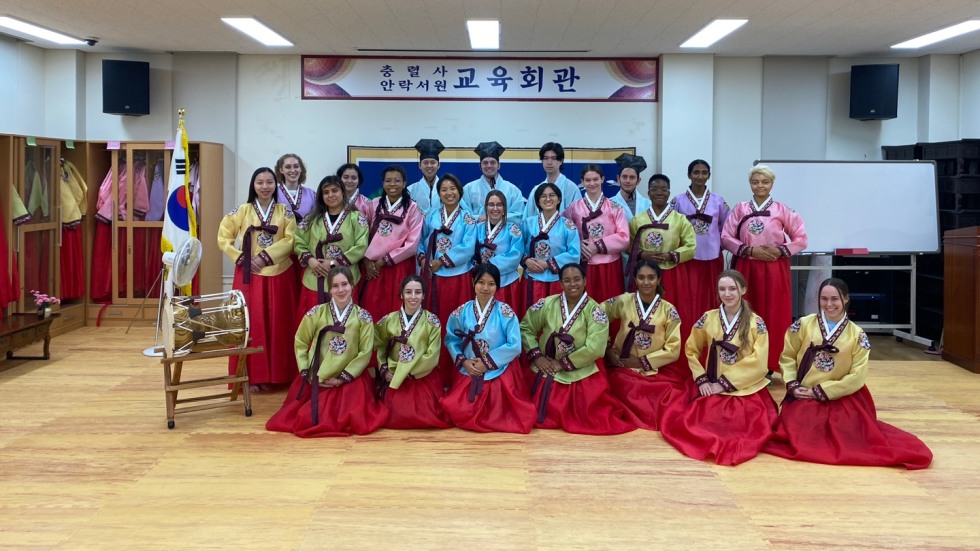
<point>887,207</point>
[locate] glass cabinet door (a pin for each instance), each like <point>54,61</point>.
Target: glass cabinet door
<point>39,188</point>
<point>141,195</point>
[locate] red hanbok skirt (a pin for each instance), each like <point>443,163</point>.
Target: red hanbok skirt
<point>147,262</point>
<point>731,429</point>
<point>271,302</point>
<point>702,278</point>
<point>343,410</point>
<point>100,281</point>
<point>37,263</point>
<point>449,294</point>
<point>72,268</point>
<point>845,431</point>
<point>584,407</point>
<point>513,295</point>
<point>307,300</point>
<point>415,404</point>
<point>604,281</point>
<point>647,397</point>
<point>678,290</point>
<point>538,291</point>
<point>9,273</point>
<point>382,295</point>
<point>501,406</point>
<point>771,298</point>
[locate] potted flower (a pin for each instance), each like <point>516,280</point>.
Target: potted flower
<point>44,303</point>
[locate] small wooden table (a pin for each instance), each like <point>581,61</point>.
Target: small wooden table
<point>239,382</point>
<point>20,330</point>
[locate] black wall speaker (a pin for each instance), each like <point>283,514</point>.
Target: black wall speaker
<point>874,92</point>
<point>125,87</point>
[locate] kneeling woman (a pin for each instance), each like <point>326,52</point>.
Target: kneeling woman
<point>332,396</point>
<point>484,340</point>
<point>733,417</point>
<point>642,362</point>
<point>828,415</point>
<point>408,342</point>
<point>565,335</point>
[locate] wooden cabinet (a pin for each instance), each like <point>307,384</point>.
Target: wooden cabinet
<point>958,170</point>
<point>128,221</point>
<point>961,344</point>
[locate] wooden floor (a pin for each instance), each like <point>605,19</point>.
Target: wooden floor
<point>86,462</point>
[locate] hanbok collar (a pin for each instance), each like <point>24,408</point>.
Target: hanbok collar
<point>765,204</point>
<point>831,332</point>
<point>389,206</point>
<point>493,232</point>
<point>482,314</point>
<point>449,219</point>
<point>334,226</point>
<point>644,313</point>
<point>730,326</point>
<point>293,196</point>
<point>408,324</point>
<point>544,226</point>
<point>568,317</point>
<point>663,215</point>
<point>265,215</point>
<point>699,204</point>
<point>593,207</point>
<point>341,317</point>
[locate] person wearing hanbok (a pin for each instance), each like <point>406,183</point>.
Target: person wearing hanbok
<point>604,233</point>
<point>663,235</point>
<point>290,176</point>
<point>475,192</point>
<point>565,337</point>
<point>733,415</point>
<point>445,250</point>
<point>642,358</point>
<point>630,167</point>
<point>707,212</point>
<point>550,242</point>
<point>333,394</point>
<point>290,191</point>
<point>408,342</point>
<point>425,192</point>
<point>351,176</point>
<point>762,235</point>
<point>828,415</point>
<point>395,227</point>
<point>552,156</point>
<point>488,392</point>
<point>501,243</point>
<point>258,237</point>
<point>332,234</point>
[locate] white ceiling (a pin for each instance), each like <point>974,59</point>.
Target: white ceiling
<point>566,28</point>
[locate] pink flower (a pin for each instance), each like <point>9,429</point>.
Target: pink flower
<point>44,300</point>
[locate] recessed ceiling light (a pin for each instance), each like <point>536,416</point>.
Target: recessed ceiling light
<point>39,32</point>
<point>256,30</point>
<point>484,35</point>
<point>713,32</point>
<point>940,35</point>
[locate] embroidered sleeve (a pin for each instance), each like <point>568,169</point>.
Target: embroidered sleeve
<point>433,319</point>
<point>701,320</point>
<point>795,328</point>
<point>266,258</point>
<point>760,325</point>
<point>346,377</point>
<point>820,394</point>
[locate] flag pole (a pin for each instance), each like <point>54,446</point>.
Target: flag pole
<point>157,350</point>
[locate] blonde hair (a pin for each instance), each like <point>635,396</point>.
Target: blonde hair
<point>763,170</point>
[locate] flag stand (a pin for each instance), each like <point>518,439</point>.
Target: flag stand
<point>155,351</point>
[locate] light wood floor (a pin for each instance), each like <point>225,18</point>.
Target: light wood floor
<point>86,462</point>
